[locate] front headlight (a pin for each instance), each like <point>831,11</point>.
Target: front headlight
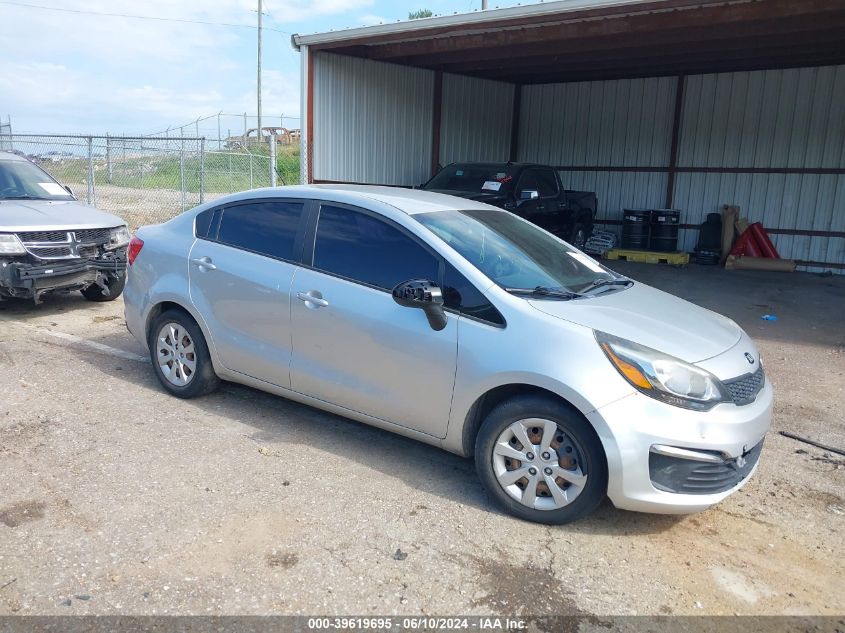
<point>119,237</point>
<point>662,376</point>
<point>11,245</point>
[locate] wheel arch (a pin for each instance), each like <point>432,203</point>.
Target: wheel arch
<point>171,303</point>
<point>494,396</point>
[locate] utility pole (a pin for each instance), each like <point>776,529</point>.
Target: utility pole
<point>483,5</point>
<point>259,69</point>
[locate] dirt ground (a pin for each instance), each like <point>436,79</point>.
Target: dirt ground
<point>116,498</point>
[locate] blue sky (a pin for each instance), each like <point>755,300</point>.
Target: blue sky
<point>76,71</point>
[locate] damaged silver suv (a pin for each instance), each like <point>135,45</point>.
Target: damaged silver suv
<point>50,242</point>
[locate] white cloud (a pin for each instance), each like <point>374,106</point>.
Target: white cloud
<point>67,71</point>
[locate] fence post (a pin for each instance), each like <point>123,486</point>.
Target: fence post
<point>272,159</point>
<point>219,140</point>
<point>91,199</point>
<point>251,183</point>
<point>182,170</point>
<point>202,170</point>
<point>245,128</point>
<point>109,170</point>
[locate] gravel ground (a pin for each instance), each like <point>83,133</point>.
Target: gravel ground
<point>118,499</point>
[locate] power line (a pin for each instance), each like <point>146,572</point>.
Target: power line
<point>136,17</point>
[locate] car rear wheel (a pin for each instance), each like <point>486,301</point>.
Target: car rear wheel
<point>113,289</point>
<point>541,460</point>
<point>180,356</point>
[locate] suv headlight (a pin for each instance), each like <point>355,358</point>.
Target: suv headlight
<point>11,245</point>
<point>663,377</point>
<point>119,237</point>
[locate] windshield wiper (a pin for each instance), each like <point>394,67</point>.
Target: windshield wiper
<point>542,291</point>
<point>24,197</point>
<point>602,283</point>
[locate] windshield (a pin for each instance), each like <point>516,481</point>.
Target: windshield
<point>473,178</point>
<point>21,180</point>
<point>514,253</point>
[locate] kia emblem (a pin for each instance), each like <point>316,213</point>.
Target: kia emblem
<point>749,358</point>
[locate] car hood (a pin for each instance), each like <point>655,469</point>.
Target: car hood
<point>42,215</point>
<point>653,318</point>
<point>495,199</point>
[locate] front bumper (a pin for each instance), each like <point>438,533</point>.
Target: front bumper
<point>642,479</point>
<point>22,278</point>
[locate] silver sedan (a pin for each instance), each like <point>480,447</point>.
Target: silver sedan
<point>463,326</point>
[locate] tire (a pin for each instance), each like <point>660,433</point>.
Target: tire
<point>95,293</point>
<point>191,374</point>
<point>577,464</point>
<point>579,235</point>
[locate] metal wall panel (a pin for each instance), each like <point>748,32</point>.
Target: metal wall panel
<point>619,190</point>
<point>626,122</point>
<point>476,117</point>
<point>372,121</point>
<point>772,118</point>
<point>788,118</point>
<point>620,123</point>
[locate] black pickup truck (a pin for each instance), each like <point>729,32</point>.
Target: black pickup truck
<point>531,191</point>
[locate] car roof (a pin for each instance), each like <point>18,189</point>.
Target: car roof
<point>12,156</point>
<point>409,201</point>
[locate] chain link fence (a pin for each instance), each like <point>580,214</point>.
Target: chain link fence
<point>147,180</point>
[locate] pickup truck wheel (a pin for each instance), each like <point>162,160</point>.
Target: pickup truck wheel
<point>95,292</point>
<point>578,237</point>
<point>541,460</point>
<point>180,355</point>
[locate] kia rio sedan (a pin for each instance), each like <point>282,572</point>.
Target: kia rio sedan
<point>461,325</point>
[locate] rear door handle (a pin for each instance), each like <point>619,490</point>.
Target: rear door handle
<point>204,262</point>
<point>312,297</point>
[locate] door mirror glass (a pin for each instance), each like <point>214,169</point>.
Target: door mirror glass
<point>425,295</point>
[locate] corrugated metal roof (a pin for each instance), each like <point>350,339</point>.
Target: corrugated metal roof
<point>474,19</point>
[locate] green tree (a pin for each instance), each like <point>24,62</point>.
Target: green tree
<point>422,13</point>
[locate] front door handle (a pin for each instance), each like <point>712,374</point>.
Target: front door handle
<point>312,297</point>
<point>204,263</point>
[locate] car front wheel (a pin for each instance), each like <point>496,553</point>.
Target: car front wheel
<point>541,460</point>
<point>180,355</point>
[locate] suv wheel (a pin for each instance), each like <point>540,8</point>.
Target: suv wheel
<point>95,292</point>
<point>541,460</point>
<point>180,355</point>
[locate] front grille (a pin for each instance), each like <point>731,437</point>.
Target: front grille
<point>82,243</point>
<point>744,389</point>
<point>692,477</point>
<point>93,236</point>
<point>84,236</point>
<point>43,236</point>
<point>49,252</point>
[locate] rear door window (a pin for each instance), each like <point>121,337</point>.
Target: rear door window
<point>366,249</point>
<point>264,227</point>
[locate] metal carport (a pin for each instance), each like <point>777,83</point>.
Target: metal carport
<point>667,103</point>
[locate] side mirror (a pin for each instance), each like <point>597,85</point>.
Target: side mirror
<point>69,190</point>
<point>425,295</point>
<point>528,194</point>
